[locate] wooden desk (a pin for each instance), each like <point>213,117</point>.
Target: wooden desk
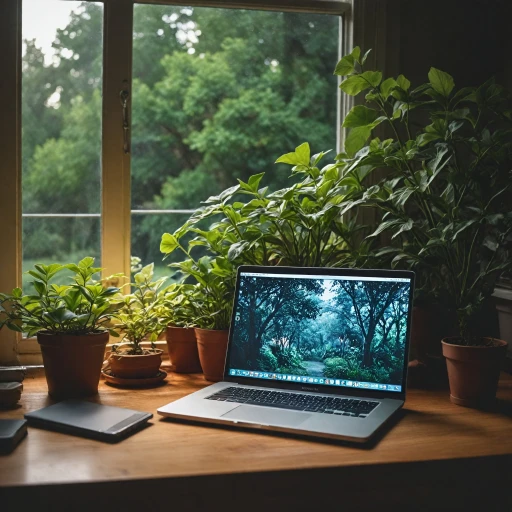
<point>437,456</point>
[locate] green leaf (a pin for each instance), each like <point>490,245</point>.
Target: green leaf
<point>441,82</point>
<point>39,287</point>
<point>360,116</point>
<point>168,243</point>
<point>355,84</point>
<point>386,86</point>
<point>365,56</point>
<point>373,77</point>
<point>254,180</point>
<point>148,270</point>
<point>357,139</point>
<point>346,65</point>
<point>300,156</point>
<point>403,83</point>
<point>383,226</point>
<point>406,226</point>
<point>86,262</point>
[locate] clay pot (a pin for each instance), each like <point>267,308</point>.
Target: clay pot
<point>212,346</point>
<point>72,363</point>
<point>140,366</point>
<point>473,372</point>
<point>182,346</point>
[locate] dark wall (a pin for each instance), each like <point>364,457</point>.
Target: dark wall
<point>470,39</point>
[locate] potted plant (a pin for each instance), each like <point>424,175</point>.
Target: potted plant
<point>176,314</point>
<point>211,297</point>
<point>446,200</point>
<point>71,323</point>
<point>138,321</point>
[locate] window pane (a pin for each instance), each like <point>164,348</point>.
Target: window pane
<point>61,130</point>
<point>219,94</point>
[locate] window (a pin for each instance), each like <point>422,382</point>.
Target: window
<point>61,105</point>
<point>208,94</point>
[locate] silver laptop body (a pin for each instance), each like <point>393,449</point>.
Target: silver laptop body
<point>312,351</point>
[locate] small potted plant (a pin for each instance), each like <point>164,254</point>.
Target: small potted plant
<point>71,323</point>
<point>137,322</point>
<point>211,297</point>
<point>446,197</point>
<point>176,314</point>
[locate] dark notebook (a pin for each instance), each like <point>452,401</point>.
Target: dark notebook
<point>87,419</point>
<point>11,433</point>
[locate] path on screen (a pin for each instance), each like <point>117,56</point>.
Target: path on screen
<point>314,368</point>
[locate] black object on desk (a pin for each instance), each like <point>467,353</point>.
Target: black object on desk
<point>87,419</point>
<point>11,433</point>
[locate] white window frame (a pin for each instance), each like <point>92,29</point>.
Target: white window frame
<point>116,180</point>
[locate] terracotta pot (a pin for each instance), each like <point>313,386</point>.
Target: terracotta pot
<point>72,363</point>
<point>212,346</point>
<point>141,366</point>
<point>182,346</point>
<point>473,372</point>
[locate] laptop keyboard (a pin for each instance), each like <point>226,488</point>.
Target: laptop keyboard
<point>296,401</point>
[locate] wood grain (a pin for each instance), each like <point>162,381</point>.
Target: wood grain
<point>180,456</point>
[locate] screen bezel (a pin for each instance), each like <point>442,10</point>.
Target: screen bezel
<point>323,389</point>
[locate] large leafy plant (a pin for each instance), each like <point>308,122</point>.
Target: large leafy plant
<point>138,314</point>
<point>82,307</point>
<point>297,226</point>
<point>446,196</point>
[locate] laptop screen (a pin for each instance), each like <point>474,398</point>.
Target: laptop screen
<point>326,330</point>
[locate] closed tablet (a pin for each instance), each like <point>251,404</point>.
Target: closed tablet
<point>87,419</point>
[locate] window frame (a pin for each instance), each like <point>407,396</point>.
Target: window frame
<point>116,164</point>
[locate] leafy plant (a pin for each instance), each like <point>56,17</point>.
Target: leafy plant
<point>177,305</point>
<point>211,297</point>
<point>299,225</point>
<point>83,307</point>
<point>446,196</point>
<point>138,313</point>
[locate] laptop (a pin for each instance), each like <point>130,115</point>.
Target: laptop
<point>312,351</point>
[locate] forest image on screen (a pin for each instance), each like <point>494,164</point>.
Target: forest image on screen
<point>342,329</point>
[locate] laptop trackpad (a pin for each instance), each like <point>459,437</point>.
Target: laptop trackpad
<point>266,416</point>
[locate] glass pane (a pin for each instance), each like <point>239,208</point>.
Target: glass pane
<point>61,130</point>
<point>223,94</point>
<point>59,239</point>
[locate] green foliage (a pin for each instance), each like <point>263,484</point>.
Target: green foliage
<point>138,313</point>
<point>351,369</point>
<point>299,225</point>
<point>83,307</point>
<point>177,305</point>
<point>446,198</point>
<point>211,298</point>
<point>274,358</point>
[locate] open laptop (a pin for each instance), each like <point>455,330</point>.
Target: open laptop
<point>312,351</point>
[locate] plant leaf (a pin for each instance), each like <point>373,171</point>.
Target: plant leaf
<point>360,116</point>
<point>168,244</point>
<point>441,82</point>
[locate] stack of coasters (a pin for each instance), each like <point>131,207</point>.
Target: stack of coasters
<point>10,385</point>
